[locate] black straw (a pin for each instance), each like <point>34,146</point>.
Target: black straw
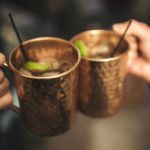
<point>19,38</point>
<point>121,38</point>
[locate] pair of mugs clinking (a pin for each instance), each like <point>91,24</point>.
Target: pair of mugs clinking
<point>95,86</point>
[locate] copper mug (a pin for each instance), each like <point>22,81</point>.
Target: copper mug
<point>47,104</point>
<point>101,87</point>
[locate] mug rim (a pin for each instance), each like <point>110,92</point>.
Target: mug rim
<point>97,31</point>
<point>75,65</point>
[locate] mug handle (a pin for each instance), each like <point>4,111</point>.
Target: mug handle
<point>12,106</point>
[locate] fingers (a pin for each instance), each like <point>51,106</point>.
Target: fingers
<point>132,54</point>
<point>1,76</point>
<point>138,29</point>
<point>2,58</point>
<point>132,57</point>
<point>137,64</point>
<point>132,42</point>
<point>144,47</point>
<point>5,95</point>
<point>4,86</point>
<point>139,67</point>
<point>5,100</point>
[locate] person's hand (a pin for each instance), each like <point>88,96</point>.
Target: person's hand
<point>5,94</point>
<point>138,36</point>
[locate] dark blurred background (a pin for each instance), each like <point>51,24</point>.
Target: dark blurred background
<point>130,129</point>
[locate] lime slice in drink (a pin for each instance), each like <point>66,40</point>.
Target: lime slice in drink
<point>35,66</point>
<point>82,48</point>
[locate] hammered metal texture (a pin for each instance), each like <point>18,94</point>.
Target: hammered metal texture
<point>48,105</point>
<point>101,87</point>
<point>101,81</point>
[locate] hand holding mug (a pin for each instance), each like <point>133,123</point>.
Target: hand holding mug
<point>138,37</point>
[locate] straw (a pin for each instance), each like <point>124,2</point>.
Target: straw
<point>19,38</point>
<point>121,38</point>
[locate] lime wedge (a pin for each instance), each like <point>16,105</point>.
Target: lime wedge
<point>82,48</point>
<point>35,66</point>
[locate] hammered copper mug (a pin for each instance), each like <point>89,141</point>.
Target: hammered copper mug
<point>101,80</point>
<point>47,104</point>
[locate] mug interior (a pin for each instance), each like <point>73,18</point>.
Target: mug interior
<point>95,38</point>
<point>45,48</point>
